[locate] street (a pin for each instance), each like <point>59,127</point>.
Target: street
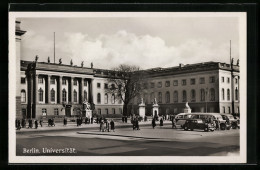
<point>124,141</point>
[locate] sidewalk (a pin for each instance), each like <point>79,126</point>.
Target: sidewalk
<point>72,125</point>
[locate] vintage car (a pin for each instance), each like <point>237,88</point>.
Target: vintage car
<point>234,123</point>
<point>198,124</point>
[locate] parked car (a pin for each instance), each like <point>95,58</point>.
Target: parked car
<point>198,124</point>
<point>234,123</point>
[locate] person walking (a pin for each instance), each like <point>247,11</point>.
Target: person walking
<point>41,122</point>
<point>91,120</point>
<point>161,123</point>
<point>153,123</point>
<point>64,121</point>
<point>133,122</point>
<point>86,120</point>
<point>18,125</point>
<point>36,124</point>
<point>137,124</point>
<point>112,124</point>
<point>173,123</point>
<point>23,123</point>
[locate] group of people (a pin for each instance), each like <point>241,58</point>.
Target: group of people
<point>154,122</point>
<point>22,124</point>
<point>106,125</point>
<point>135,123</point>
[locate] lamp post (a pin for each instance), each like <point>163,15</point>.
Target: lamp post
<point>206,100</point>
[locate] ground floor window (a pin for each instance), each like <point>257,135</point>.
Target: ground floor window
<point>114,111</point>
<point>56,111</point>
<point>99,111</point>
<point>107,111</point>
<point>224,110</point>
<point>44,112</point>
<point>120,111</point>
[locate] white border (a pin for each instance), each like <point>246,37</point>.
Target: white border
<point>127,159</point>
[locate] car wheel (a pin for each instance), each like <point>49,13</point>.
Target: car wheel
<point>222,126</point>
<point>185,128</point>
<point>206,129</point>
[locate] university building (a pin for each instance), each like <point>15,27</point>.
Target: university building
<point>48,89</point>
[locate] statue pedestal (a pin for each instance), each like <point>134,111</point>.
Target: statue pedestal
<point>187,110</point>
<point>142,110</point>
<point>155,110</point>
<point>89,114</point>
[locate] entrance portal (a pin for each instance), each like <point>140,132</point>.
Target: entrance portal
<point>68,111</point>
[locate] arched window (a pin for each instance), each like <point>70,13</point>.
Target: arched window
<point>113,99</point>
<point>99,98</point>
<point>151,97</point>
<point>236,94</point>
<point>175,96</point>
<point>64,95</point>
<point>160,97</point>
<point>52,95</point>
<point>106,98</point>
<point>85,95</point>
<point>202,95</point>
<point>184,96</point>
<point>75,95</point>
<point>228,94</point>
<point>40,92</point>
<point>23,96</point>
<point>223,94</point>
<point>212,94</point>
<point>167,97</point>
<point>193,95</point>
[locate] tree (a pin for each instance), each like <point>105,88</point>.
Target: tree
<point>126,82</point>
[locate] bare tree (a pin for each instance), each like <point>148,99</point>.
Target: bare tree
<point>126,82</point>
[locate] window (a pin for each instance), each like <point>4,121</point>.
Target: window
<point>40,92</point>
<point>228,79</point>
<point>228,94</point>
<point>113,110</point>
<point>52,95</point>
<point>98,98</point>
<point>113,99</point>
<point>238,110</point>
<point>106,86</point>
<point>167,97</point>
<point>120,111</point>
<point>106,99</point>
<point>52,80</point>
<point>44,112</point>
<point>223,94</point>
<point>99,111</point>
<point>85,95</point>
<point>192,81</point>
<point>85,82</point>
<point>229,111</point>
<point>236,80</point>
<point>236,94</point>
<point>167,84</point>
<point>212,94</point>
<point>183,82</point>
<point>175,96</point>
<point>151,97</point>
<point>23,96</point>
<point>75,96</point>
<point>106,111</point>
<point>184,96</point>
<point>212,79</point>
<point>152,85</point>
<point>193,95</point>
<point>75,82</point>
<point>175,82</point>
<point>98,85</point>
<point>223,79</point>
<point>224,111</point>
<point>22,80</point>
<point>64,95</point>
<point>159,85</point>
<point>64,82</point>
<point>202,80</point>
<point>56,111</point>
<point>40,80</point>
<point>160,97</point>
<point>202,95</point>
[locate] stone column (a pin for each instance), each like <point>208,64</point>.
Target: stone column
<point>36,89</point>
<point>60,89</point>
<point>71,89</point>
<point>90,90</point>
<point>48,90</point>
<point>82,91</point>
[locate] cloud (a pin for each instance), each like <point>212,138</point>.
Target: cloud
<point>110,50</point>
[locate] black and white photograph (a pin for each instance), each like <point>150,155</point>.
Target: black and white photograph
<point>127,87</point>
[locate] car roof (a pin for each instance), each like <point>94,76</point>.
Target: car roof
<point>200,113</point>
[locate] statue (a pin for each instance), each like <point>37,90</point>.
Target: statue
<point>91,65</point>
<point>36,58</point>
<point>60,61</point>
<point>142,101</point>
<point>71,62</point>
<point>237,62</point>
<point>82,63</point>
<point>155,101</point>
<point>187,106</point>
<point>49,60</point>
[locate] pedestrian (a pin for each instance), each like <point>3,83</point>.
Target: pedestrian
<point>145,118</point>
<point>133,122</point>
<point>108,125</point>
<point>23,123</point>
<point>123,119</point>
<point>126,119</point>
<point>218,124</point>
<point>77,121</point>
<point>36,124</point>
<point>161,123</point>
<point>100,126</point>
<point>153,123</point>
<point>64,121</point>
<point>41,122</point>
<point>112,124</point>
<point>18,125</point>
<point>30,123</point>
<point>91,120</point>
<point>174,123</point>
<point>86,120</point>
<point>137,124</point>
<point>53,123</point>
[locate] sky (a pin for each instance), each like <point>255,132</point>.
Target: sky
<point>145,42</point>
